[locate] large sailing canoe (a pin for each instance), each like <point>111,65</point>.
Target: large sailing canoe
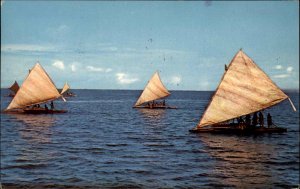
<point>14,89</point>
<point>37,88</point>
<point>154,90</point>
<point>244,89</point>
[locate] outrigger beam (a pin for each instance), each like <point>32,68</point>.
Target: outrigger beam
<point>294,108</point>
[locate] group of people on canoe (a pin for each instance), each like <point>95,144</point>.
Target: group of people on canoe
<point>154,104</point>
<point>256,120</point>
<point>38,106</point>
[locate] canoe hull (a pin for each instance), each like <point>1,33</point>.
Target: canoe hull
<point>43,111</point>
<point>156,107</point>
<point>231,130</point>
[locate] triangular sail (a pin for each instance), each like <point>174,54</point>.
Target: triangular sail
<point>154,90</point>
<point>244,89</point>
<point>65,88</point>
<point>37,88</point>
<point>15,87</point>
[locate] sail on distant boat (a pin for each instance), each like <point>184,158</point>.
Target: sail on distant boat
<point>14,88</point>
<point>36,89</point>
<point>154,90</point>
<point>65,88</point>
<point>244,89</point>
<point>66,91</point>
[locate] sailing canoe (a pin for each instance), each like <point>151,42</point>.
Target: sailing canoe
<point>36,89</point>
<point>243,89</point>
<point>14,89</point>
<point>154,90</point>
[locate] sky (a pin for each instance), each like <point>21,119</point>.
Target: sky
<point>120,44</point>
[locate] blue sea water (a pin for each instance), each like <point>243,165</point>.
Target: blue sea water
<point>103,142</point>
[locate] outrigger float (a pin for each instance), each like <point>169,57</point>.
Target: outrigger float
<point>37,88</point>
<point>244,89</point>
<point>154,90</point>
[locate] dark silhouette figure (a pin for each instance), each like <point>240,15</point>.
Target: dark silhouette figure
<point>261,119</point>
<point>164,103</point>
<point>240,120</point>
<point>269,120</point>
<point>46,107</point>
<point>52,105</point>
<point>248,119</point>
<point>254,119</point>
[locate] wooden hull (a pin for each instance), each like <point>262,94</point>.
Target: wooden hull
<point>69,95</point>
<point>156,107</point>
<point>236,130</point>
<point>43,111</point>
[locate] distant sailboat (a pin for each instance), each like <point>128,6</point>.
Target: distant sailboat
<point>244,89</point>
<point>14,89</point>
<point>65,89</point>
<point>154,90</point>
<point>37,88</point>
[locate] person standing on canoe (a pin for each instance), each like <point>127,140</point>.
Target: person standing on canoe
<point>52,105</point>
<point>269,120</point>
<point>254,119</point>
<point>248,120</point>
<point>261,119</point>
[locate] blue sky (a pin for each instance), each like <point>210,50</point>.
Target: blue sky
<point>119,45</point>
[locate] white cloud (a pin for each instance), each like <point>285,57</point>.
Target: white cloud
<point>123,78</point>
<point>278,67</point>
<point>281,76</point>
<point>73,67</point>
<point>175,80</point>
<point>204,85</point>
<point>59,64</point>
<point>26,47</point>
<point>98,69</point>
<point>108,70</point>
<point>94,69</point>
<point>289,69</point>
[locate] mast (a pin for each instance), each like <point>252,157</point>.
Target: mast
<point>243,89</point>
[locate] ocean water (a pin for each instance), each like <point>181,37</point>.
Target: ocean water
<point>102,142</point>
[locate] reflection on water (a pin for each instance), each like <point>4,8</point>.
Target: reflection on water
<point>153,116</point>
<point>241,161</point>
<point>36,127</point>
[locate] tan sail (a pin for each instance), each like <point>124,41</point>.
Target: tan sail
<point>154,90</point>
<point>15,87</point>
<point>244,89</point>
<point>65,88</point>
<point>37,88</point>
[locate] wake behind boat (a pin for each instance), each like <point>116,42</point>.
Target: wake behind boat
<point>244,89</point>
<point>154,90</point>
<point>38,88</point>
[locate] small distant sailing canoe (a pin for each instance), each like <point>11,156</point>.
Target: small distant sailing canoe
<point>65,89</point>
<point>154,90</point>
<point>14,89</point>
<point>36,89</point>
<point>244,89</point>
